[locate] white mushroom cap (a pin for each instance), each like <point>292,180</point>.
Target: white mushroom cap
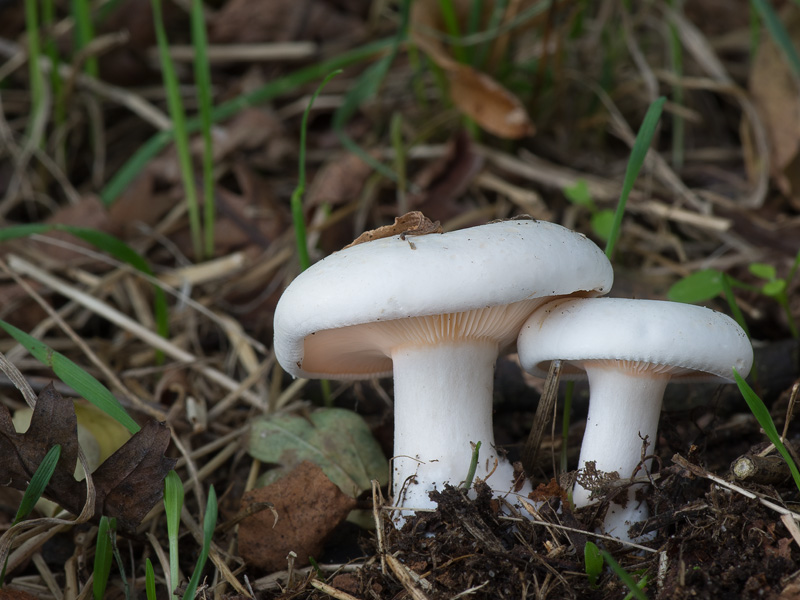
<point>693,343</point>
<point>339,318</point>
<point>630,350</point>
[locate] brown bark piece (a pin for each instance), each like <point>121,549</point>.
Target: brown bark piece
<point>309,507</point>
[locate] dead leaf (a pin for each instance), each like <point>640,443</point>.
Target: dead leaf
<point>127,485</point>
<point>476,94</point>
<point>309,507</point>
<point>411,223</point>
<point>775,92</point>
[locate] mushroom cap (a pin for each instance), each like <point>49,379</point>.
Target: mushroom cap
<point>334,318</point>
<point>692,343</point>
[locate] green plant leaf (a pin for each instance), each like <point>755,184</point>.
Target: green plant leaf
<point>337,440</point>
<point>75,377</point>
<point>593,563</point>
<point>103,556</point>
<point>579,194</point>
<point>763,270</point>
<point>697,287</point>
<point>602,223</point>
<point>761,413</point>
<point>774,288</point>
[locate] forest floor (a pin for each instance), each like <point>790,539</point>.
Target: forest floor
<point>516,107</point>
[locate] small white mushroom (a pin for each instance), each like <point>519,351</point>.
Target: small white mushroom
<point>629,350</point>
<point>434,314</point>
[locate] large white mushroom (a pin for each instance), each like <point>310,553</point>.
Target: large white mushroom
<point>630,350</point>
<point>434,311</point>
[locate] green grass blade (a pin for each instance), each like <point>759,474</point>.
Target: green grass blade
<point>131,169</point>
<point>202,77</point>
<point>727,290</point>
<point>173,503</point>
<point>624,576</point>
<point>761,413</point>
<point>635,162</point>
<point>209,523</point>
<point>779,34</point>
<point>75,377</point>
<point>103,556</point>
<point>84,32</point>
<point>34,55</point>
<point>298,216</point>
<point>179,129</point>
<point>38,483</point>
<point>34,491</point>
<point>108,243</point>
<point>149,580</point>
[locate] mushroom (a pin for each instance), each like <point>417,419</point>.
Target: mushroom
<point>434,313</point>
<point>629,350</point>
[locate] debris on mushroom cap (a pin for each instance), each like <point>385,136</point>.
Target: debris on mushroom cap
<point>700,343</point>
<point>387,280</point>
<point>411,223</point>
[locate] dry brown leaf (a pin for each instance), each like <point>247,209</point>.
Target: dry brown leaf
<point>489,104</point>
<point>309,507</point>
<point>127,485</point>
<point>776,93</point>
<point>476,94</point>
<point>411,223</point>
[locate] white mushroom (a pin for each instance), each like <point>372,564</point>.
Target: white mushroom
<point>434,314</point>
<point>630,350</point>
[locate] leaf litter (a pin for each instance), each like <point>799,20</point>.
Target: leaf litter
<point>582,77</point>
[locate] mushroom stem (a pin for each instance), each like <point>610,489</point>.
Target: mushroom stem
<point>443,401</point>
<point>624,407</point>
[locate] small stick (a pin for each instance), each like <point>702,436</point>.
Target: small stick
<point>542,417</point>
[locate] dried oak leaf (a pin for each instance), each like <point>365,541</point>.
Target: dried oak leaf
<point>127,485</point>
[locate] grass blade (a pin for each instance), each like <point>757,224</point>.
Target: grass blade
<point>779,34</point>
<point>103,556</point>
<point>624,576</point>
<point>179,129</point>
<point>173,504</point>
<point>149,580</point>
<point>75,377</point>
<point>298,216</point>
<point>635,162</point>
<point>209,523</point>
<point>34,491</point>
<point>131,169</point>
<point>761,413</point>
<point>202,77</point>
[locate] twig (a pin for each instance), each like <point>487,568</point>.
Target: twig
<point>701,472</point>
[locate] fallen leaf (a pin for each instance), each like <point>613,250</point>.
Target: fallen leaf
<point>411,223</point>
<point>309,506</point>
<point>127,485</point>
<point>335,439</point>
<point>476,94</point>
<point>775,92</point>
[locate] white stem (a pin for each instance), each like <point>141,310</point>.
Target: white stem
<point>443,401</point>
<point>624,407</point>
